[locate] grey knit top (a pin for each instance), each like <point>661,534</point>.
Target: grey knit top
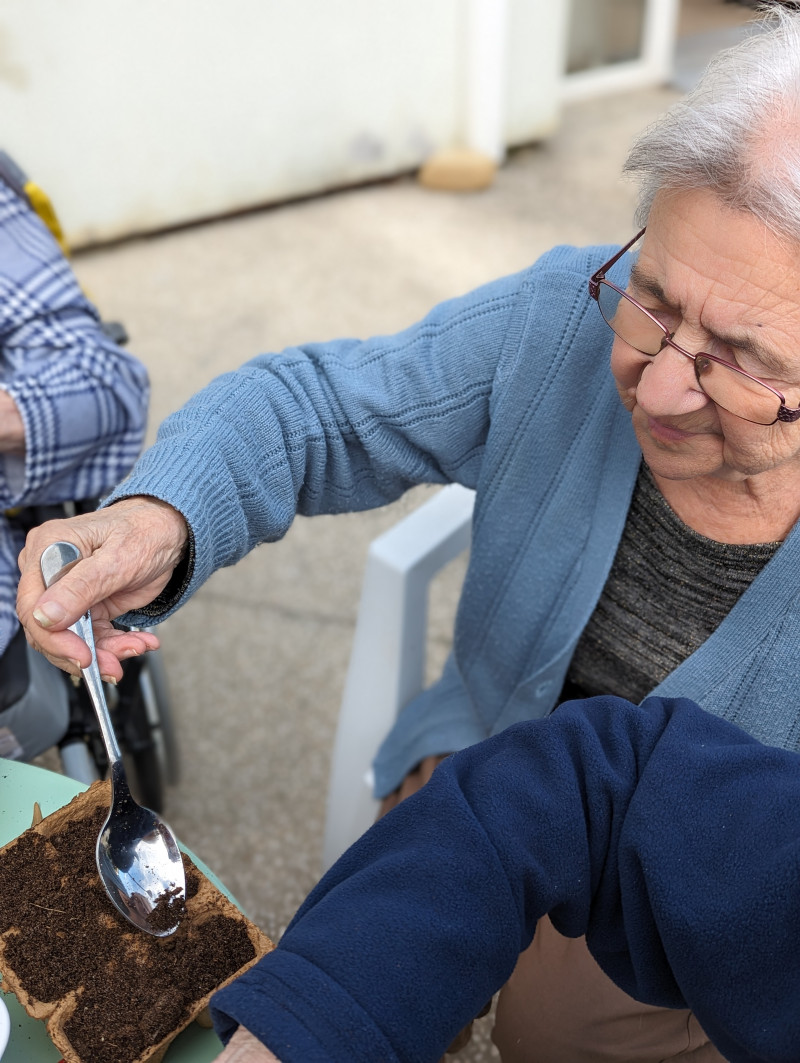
<point>668,590</point>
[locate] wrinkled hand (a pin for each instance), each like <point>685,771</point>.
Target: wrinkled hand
<point>129,552</point>
<point>244,1048</point>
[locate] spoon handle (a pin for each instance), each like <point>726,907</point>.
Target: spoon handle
<point>94,684</point>
<point>56,560</point>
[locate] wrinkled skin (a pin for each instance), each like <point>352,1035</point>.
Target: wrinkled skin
<point>727,286</point>
<point>130,551</point>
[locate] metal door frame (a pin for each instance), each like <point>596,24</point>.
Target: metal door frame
<point>653,67</point>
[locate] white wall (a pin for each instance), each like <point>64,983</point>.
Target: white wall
<point>140,114</point>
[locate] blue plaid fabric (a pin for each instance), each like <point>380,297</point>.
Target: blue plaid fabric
<point>83,400</point>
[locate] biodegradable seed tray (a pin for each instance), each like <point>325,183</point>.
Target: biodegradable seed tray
<point>108,992</point>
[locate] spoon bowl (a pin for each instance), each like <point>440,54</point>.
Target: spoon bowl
<point>138,859</point>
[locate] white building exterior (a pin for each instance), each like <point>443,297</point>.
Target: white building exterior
<point>142,114</point>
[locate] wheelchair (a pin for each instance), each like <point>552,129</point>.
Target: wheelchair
<point>140,707</point>
<point>139,704</point>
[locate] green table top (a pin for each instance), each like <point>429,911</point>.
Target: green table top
<point>20,786</point>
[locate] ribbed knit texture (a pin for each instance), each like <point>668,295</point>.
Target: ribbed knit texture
<point>506,390</point>
<point>669,588</point>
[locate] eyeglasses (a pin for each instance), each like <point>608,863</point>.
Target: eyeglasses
<point>724,383</point>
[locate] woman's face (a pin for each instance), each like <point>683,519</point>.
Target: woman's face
<point>730,288</point>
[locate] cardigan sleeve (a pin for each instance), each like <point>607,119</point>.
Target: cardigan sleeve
<point>667,836</point>
<point>328,428</point>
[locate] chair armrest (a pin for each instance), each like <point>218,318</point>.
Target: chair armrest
<point>387,661</point>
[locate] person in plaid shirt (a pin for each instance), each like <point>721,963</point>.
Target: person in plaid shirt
<point>73,411</point>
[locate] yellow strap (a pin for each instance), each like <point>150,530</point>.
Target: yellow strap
<point>40,202</point>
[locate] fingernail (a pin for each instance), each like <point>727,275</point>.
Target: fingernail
<point>49,613</point>
<point>109,679</point>
<point>77,664</point>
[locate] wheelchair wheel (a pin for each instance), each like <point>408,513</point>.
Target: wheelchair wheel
<point>156,696</point>
<point>143,722</point>
<point>142,764</point>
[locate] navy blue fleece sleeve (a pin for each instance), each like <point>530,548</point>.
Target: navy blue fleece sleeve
<point>670,838</point>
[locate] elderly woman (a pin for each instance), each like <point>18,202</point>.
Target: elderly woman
<point>647,545</point>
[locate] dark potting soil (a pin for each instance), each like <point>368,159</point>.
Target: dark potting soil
<point>65,934</point>
<point>169,911</point>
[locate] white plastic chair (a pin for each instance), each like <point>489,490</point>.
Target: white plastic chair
<point>387,661</point>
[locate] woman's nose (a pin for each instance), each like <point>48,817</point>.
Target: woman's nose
<point>668,386</point>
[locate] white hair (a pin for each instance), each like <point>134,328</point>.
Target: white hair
<point>737,133</point>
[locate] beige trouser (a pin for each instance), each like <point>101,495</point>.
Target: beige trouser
<point>559,1007</point>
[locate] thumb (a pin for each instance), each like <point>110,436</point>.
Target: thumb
<point>70,596</point>
<point>50,613</point>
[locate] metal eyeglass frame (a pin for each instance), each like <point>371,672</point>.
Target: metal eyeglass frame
<point>785,413</point>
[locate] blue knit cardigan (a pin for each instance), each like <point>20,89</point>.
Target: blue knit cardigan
<point>506,390</point>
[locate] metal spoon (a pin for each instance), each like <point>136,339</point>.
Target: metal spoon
<point>137,856</point>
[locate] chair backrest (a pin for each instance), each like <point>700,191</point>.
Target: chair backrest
<point>15,177</point>
<point>18,180</point>
<point>387,661</point>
